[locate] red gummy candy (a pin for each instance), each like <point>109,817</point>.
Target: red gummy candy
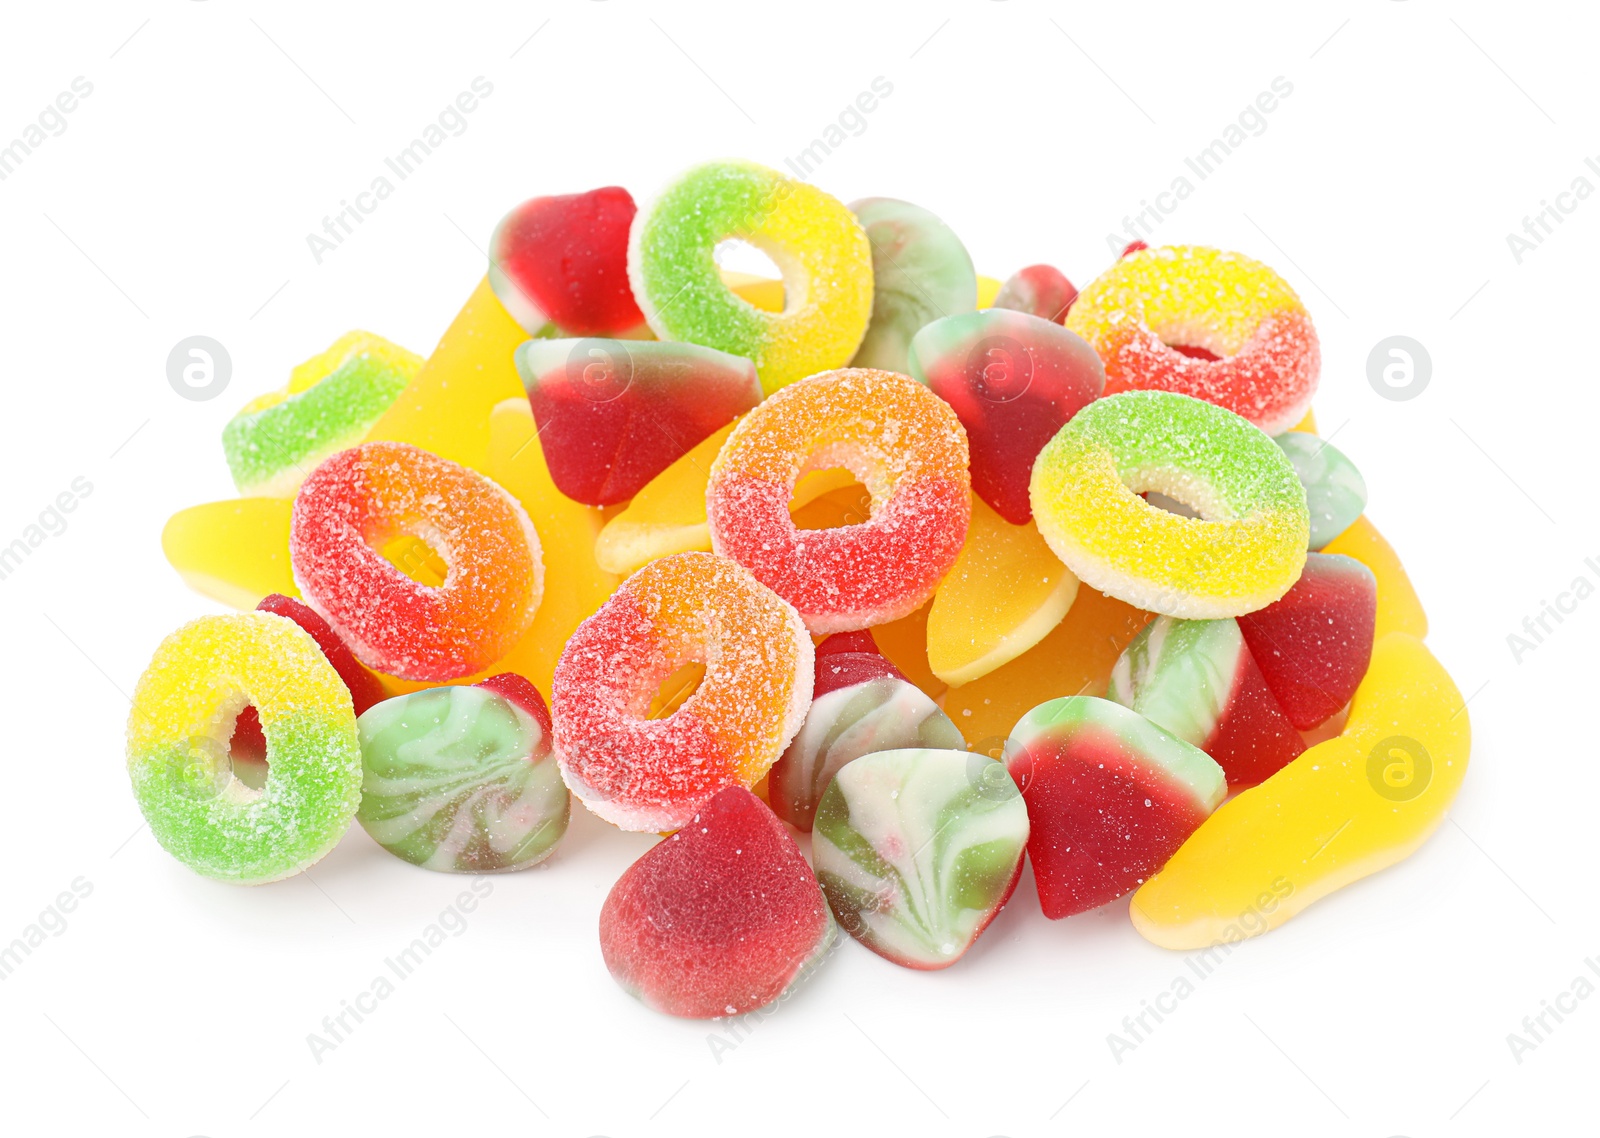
<point>1110,797</point>
<point>613,414</point>
<point>564,260</point>
<point>720,918</point>
<point>1313,644</point>
<point>520,691</point>
<point>1014,380</point>
<point>1132,247</point>
<point>1038,290</point>
<point>1253,739</point>
<point>365,690</point>
<point>848,658</point>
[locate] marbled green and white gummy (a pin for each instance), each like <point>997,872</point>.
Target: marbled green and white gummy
<point>460,780</point>
<point>918,849</point>
<point>920,272</point>
<point>184,709</point>
<point>1180,674</point>
<point>1335,491</point>
<point>876,715</point>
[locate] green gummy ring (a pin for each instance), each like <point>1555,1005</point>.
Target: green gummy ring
<point>1243,552</point>
<point>270,451</point>
<point>183,716</point>
<point>816,242</point>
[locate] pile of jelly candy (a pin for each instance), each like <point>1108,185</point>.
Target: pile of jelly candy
<point>944,572</point>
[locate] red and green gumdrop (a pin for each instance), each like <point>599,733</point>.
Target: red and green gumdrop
<point>1014,380</point>
<point>1314,643</point>
<point>1110,797</point>
<point>722,917</point>
<point>613,414</point>
<point>248,744</point>
<point>1197,679</point>
<point>563,260</point>
<point>1038,290</point>
<point>860,703</point>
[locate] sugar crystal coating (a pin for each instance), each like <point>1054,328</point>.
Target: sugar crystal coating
<point>184,709</point>
<point>330,403</point>
<point>817,244</point>
<point>1257,351</point>
<point>652,774</point>
<point>362,499</point>
<point>1243,552</point>
<point>902,442</point>
<point>918,849</point>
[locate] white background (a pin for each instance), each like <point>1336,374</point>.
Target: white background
<point>178,201</point>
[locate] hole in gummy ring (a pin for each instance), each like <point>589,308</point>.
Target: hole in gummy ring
<point>416,559</point>
<point>1171,505</point>
<point>830,499</point>
<point>1194,351</point>
<point>247,751</point>
<point>675,689</point>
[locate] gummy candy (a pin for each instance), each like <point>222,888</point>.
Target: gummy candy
<point>1335,491</point>
<point>988,290</point>
<point>1346,808</point>
<point>364,497</point>
<point>1399,607</point>
<point>1110,796</point>
<point>248,744</point>
<point>330,403</point>
<point>860,703</point>
<point>235,551</point>
<point>1244,551</point>
<point>1313,645</point>
<point>722,917</point>
<point>562,260</point>
<point>1013,380</point>
<point>667,515</point>
<point>1198,680</point>
<point>1260,353</point>
<point>184,709</point>
<point>816,242</point>
<point>461,779</point>
<point>445,409</point>
<point>918,850</point>
<point>1038,290</point>
<point>1074,659</point>
<point>900,441</point>
<point>920,272</point>
<point>1004,595</point>
<point>904,643</point>
<point>574,585</point>
<point>652,774</point>
<point>613,414</point>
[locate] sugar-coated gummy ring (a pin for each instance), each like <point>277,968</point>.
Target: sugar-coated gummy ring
<point>651,774</point>
<point>183,716</point>
<point>1244,551</point>
<point>1236,308</point>
<point>901,441</point>
<point>816,242</point>
<point>361,499</point>
<point>331,402</point>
